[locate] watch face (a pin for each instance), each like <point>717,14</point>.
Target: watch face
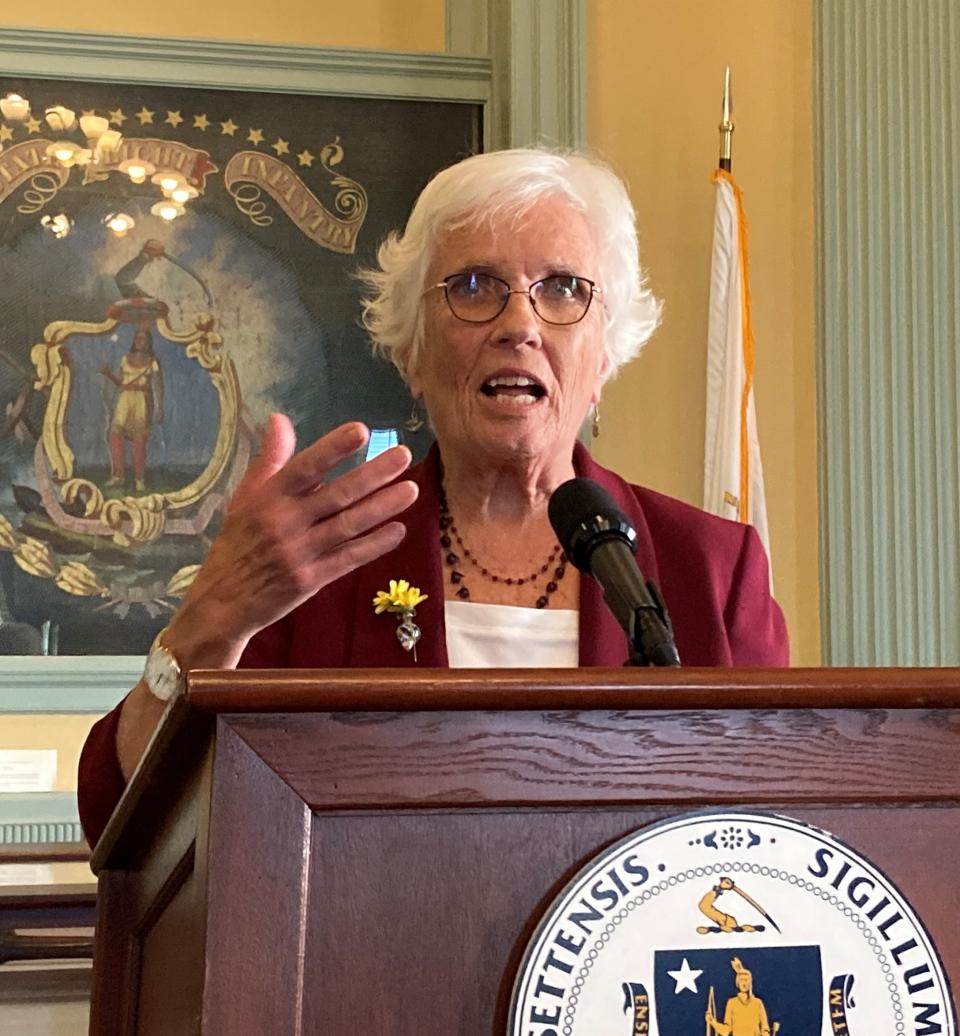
<point>162,674</point>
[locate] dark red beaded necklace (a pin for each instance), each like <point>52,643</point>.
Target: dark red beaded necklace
<point>448,528</point>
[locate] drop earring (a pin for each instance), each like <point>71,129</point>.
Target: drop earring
<point>595,422</point>
<point>417,417</point>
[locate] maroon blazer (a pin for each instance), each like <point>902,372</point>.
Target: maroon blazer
<point>712,573</point>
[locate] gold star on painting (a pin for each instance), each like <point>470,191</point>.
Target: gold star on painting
<point>84,114</point>
<point>145,116</point>
<point>305,158</point>
<point>33,125</point>
<point>255,137</point>
<point>200,122</point>
<point>117,117</point>
<point>5,133</point>
<point>173,119</point>
<point>228,128</point>
<point>281,147</point>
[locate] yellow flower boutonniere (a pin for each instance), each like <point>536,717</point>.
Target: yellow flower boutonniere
<point>402,599</point>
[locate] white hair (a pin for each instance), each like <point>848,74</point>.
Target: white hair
<point>505,184</point>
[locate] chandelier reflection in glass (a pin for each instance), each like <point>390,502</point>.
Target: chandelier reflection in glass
<point>89,141</point>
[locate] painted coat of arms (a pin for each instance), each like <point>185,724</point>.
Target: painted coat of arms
<point>731,924</point>
<point>172,272</point>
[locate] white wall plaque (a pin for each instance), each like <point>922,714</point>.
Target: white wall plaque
<point>23,770</point>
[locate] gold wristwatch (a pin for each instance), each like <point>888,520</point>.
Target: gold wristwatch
<point>162,673</point>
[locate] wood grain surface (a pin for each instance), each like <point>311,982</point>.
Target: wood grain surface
<point>259,852</point>
<point>151,908</point>
<point>557,758</point>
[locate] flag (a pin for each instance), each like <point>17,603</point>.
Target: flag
<point>733,473</point>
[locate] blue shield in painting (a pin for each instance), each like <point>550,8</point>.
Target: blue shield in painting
<point>747,991</point>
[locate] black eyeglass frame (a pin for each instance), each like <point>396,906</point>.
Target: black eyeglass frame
<point>594,291</point>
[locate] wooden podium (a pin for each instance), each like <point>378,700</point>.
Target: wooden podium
<point>343,852</point>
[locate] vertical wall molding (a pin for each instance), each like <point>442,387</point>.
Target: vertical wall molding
<point>888,202</point>
<point>538,50</point>
<point>466,28</point>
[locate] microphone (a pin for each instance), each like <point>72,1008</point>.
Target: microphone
<point>599,539</point>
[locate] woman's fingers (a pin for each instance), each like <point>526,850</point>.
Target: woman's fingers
<point>348,523</point>
<point>358,483</point>
<point>307,470</point>
<point>279,442</point>
<point>302,476</point>
<point>358,552</point>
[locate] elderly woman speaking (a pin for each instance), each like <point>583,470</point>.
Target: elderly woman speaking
<point>511,297</point>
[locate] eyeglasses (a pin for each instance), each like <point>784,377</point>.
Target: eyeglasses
<point>477,298</point>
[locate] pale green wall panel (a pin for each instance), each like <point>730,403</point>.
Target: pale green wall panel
<point>538,49</point>
<point>889,296</point>
<point>39,818</point>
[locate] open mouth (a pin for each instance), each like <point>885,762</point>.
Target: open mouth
<point>513,388</point>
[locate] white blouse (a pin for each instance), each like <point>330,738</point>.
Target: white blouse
<point>500,636</point>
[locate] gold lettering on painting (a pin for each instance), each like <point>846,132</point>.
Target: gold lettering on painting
<point>299,203</point>
<point>193,164</point>
<point>20,162</point>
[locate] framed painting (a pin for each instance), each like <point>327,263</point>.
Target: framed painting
<point>178,262</point>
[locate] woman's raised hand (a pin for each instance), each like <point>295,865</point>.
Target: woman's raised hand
<point>288,533</point>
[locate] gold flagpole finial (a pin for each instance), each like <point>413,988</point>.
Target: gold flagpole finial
<point>726,125</point>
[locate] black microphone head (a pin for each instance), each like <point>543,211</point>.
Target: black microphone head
<point>583,516</point>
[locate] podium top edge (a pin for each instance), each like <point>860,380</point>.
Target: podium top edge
<point>426,689</point>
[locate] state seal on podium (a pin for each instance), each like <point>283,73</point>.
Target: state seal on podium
<point>731,924</point>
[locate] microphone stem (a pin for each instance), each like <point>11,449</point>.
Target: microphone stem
<point>651,642</point>
<point>636,604</point>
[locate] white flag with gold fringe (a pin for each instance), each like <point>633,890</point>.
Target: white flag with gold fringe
<point>733,473</point>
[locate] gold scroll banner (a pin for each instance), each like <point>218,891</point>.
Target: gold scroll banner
<point>20,163</point>
<point>191,163</point>
<point>303,207</point>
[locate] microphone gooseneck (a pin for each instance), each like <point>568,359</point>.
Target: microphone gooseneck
<point>599,539</point>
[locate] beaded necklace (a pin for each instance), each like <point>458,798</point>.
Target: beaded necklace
<point>448,528</point>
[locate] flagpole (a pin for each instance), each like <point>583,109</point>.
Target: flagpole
<point>726,126</point>
<point>733,472</point>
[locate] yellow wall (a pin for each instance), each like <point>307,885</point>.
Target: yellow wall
<point>64,733</point>
<point>655,83</point>
<point>376,24</point>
